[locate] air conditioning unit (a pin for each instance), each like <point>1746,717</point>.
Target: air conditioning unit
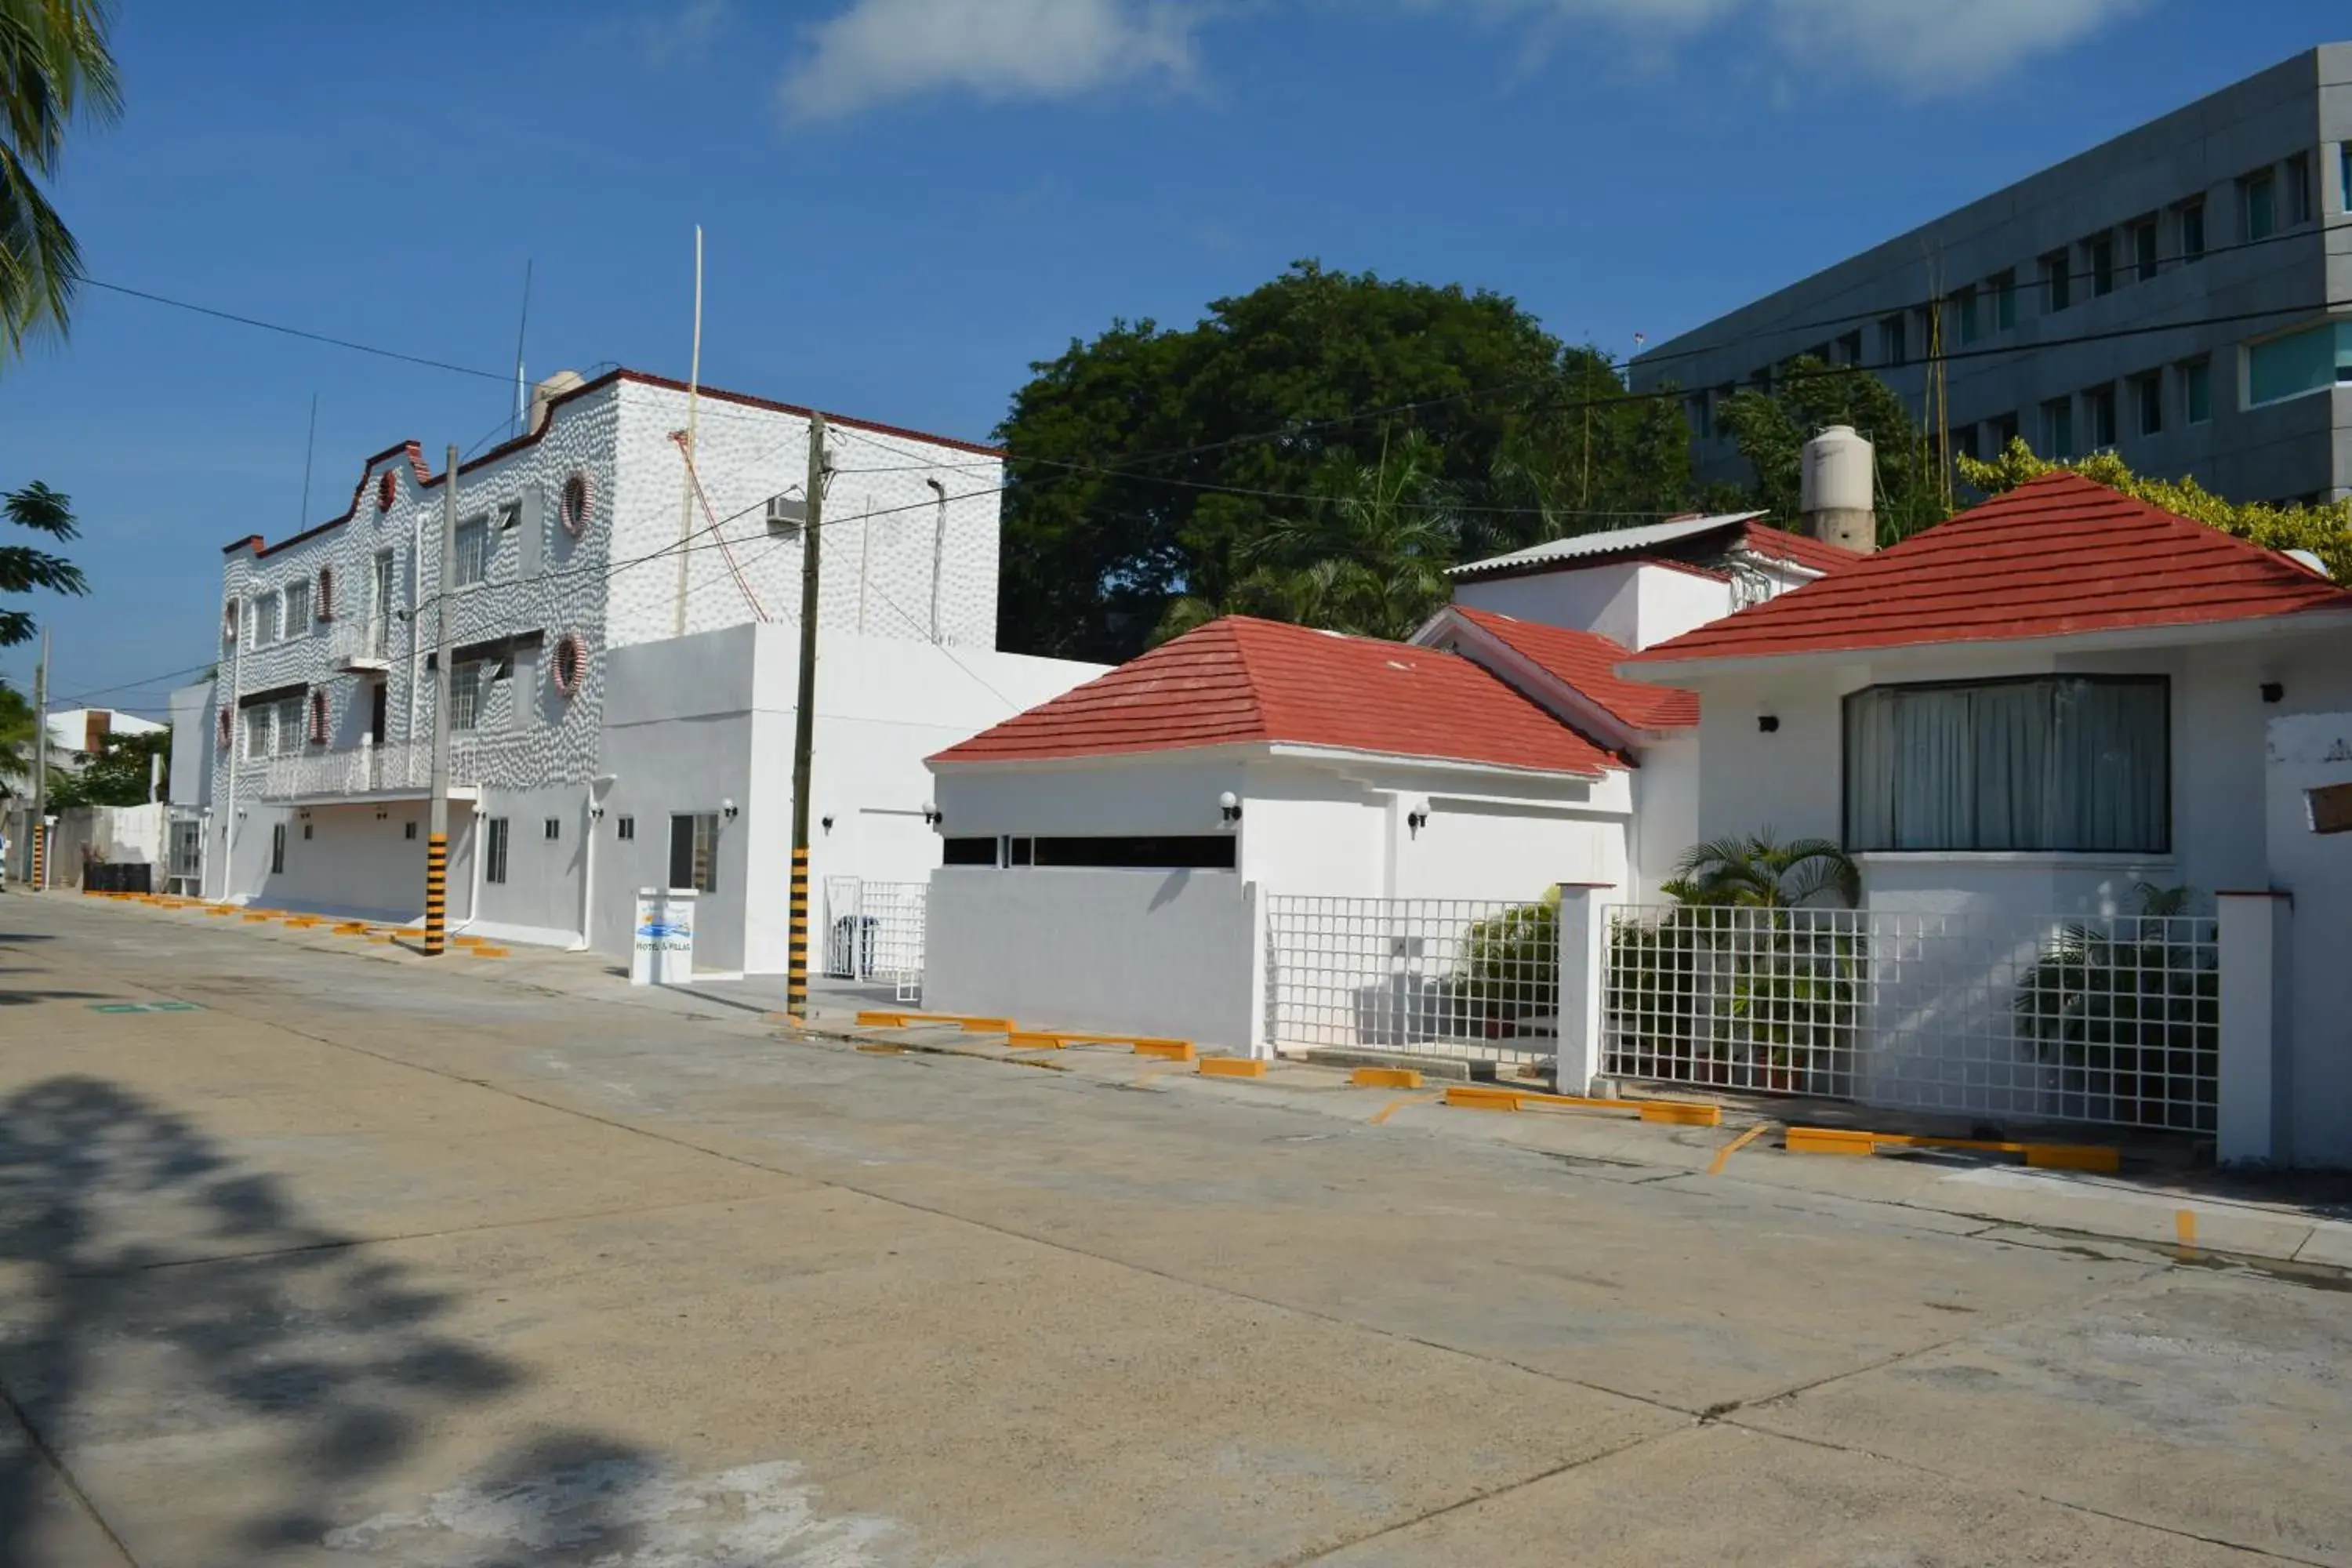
<point>787,515</point>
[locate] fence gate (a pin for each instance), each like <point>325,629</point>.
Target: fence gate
<point>874,931</point>
<point>2109,1019</point>
<point>1470,980</point>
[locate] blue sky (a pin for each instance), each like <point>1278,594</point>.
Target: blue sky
<point>907,201</point>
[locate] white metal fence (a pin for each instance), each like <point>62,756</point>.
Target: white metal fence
<point>1474,980</point>
<point>874,931</point>
<point>2113,1019</point>
<point>359,770</point>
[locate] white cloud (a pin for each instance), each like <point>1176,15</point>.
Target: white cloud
<point>1934,49</point>
<point>878,51</point>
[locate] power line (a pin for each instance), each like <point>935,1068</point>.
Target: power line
<point>292,332</point>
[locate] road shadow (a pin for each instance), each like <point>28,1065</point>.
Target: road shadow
<point>168,1313</point>
<point>27,998</point>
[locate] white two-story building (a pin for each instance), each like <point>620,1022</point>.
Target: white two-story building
<point>624,672</point>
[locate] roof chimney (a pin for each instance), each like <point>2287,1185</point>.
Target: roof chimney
<point>547,392</point>
<point>1837,486</point>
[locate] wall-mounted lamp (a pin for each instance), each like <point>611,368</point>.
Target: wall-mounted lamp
<point>727,809</point>
<point>825,823</point>
<point>2272,692</point>
<point>596,813</point>
<point>1229,808</point>
<point>1416,817</point>
<point>1769,723</point>
<point>932,815</point>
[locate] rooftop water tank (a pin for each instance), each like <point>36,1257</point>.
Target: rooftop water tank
<point>1837,490</point>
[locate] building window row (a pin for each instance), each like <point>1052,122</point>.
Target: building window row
<point>2095,418</point>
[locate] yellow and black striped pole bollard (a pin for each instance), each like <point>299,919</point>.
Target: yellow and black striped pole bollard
<point>796,948</point>
<point>41,858</point>
<point>436,891</point>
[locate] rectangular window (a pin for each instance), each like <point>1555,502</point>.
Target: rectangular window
<point>2057,283</point>
<point>1964,441</point>
<point>2143,250</point>
<point>1186,852</point>
<point>2258,205</point>
<point>467,682</point>
<point>694,852</point>
<point>408,830</point>
<point>1021,851</point>
<point>306,828</point>
<point>289,727</point>
<point>2298,189</point>
<point>493,852</point>
<point>554,829</point>
<point>2048,764</point>
<point>2100,256</point>
<point>1760,379</point>
<point>2147,402</point>
<point>266,610</point>
<point>1964,309</point>
<point>187,849</point>
<point>1849,347</point>
<point>1701,416</point>
<point>257,733</point>
<point>2344,176</point>
<point>2004,431</point>
<point>298,609</point>
<point>2004,300</point>
<point>277,849</point>
<point>1894,347</point>
<point>2195,391</point>
<point>2309,361</point>
<point>968,852</point>
<point>2191,215</point>
<point>2099,415</point>
<point>472,562</point>
<point>2058,428</point>
<point>625,827</point>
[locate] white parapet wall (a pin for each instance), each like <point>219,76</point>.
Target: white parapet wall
<point>1168,953</point>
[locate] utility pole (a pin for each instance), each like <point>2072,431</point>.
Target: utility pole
<point>805,728</point>
<point>436,839</point>
<point>40,823</point>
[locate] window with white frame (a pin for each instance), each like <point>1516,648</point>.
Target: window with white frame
<point>2068,764</point>
<point>694,852</point>
<point>297,609</point>
<point>494,859</point>
<point>472,562</point>
<point>288,739</point>
<point>257,733</point>
<point>468,682</point>
<point>266,624</point>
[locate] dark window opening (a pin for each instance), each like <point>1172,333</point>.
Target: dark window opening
<point>277,849</point>
<point>694,852</point>
<point>1169,852</point>
<point>494,862</point>
<point>554,828</point>
<point>968,852</point>
<point>626,828</point>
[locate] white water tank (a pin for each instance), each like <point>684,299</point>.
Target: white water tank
<point>547,392</point>
<point>1837,487</point>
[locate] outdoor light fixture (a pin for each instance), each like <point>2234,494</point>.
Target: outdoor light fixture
<point>1416,816</point>
<point>1229,807</point>
<point>932,817</point>
<point>2272,692</point>
<point>728,808</point>
<point>596,813</point>
<point>1768,723</point>
<point>825,823</point>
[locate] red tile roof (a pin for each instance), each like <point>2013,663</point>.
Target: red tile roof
<point>1239,680</point>
<point>1816,555</point>
<point>1587,661</point>
<point>2058,556</point>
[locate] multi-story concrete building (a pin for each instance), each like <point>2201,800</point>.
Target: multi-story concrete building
<point>623,675</point>
<point>2182,294</point>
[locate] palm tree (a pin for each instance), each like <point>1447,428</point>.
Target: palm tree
<point>22,567</point>
<point>17,733</point>
<point>53,66</point>
<point>1760,872</point>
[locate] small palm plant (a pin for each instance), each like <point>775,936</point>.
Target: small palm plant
<point>2133,1014</point>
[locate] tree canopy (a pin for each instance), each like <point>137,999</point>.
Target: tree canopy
<point>54,67</point>
<point>116,773</point>
<point>1319,449</point>
<point>1772,428</point>
<point>24,568</point>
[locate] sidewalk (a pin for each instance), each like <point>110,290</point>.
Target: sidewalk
<point>2301,1221</point>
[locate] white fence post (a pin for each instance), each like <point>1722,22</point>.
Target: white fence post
<point>1260,1044</point>
<point>2254,1091</point>
<point>1578,1035</point>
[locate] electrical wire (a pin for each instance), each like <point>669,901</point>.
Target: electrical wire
<point>291,332</point>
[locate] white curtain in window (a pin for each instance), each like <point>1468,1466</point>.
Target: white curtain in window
<point>2110,789</point>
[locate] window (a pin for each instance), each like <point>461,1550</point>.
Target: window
<point>277,849</point>
<point>2143,250</point>
<point>187,849</point>
<point>408,830</point>
<point>626,828</point>
<point>1848,348</point>
<point>1725,393</point>
<point>1923,329</point>
<point>2052,763</point>
<point>968,852</point>
<point>2002,287</point>
<point>1197,851</point>
<point>2058,428</point>
<point>2057,283</point>
<point>1760,379</point>
<point>1964,445</point>
<point>1964,310</point>
<point>494,852</point>
<point>257,733</point>
<point>2344,174</point>
<point>1021,851</point>
<point>467,682</point>
<point>306,829</point>
<point>2099,415</point>
<point>473,558</point>
<point>1701,416</point>
<point>2191,216</point>
<point>2195,391</point>
<point>298,609</point>
<point>2005,430</point>
<point>694,852</point>
<point>2100,255</point>
<point>2312,359</point>
<point>2298,189</point>
<point>2147,402</point>
<point>289,727</point>
<point>554,829</point>
<point>2258,205</point>
<point>265,620</point>
<point>1893,348</point>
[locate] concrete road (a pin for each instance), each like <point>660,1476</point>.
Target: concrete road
<point>366,1261</point>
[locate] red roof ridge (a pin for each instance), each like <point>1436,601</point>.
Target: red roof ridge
<point>1585,662</point>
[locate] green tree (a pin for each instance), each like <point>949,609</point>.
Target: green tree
<point>2324,531</point>
<point>1141,470</point>
<point>19,732</point>
<point>24,568</point>
<point>114,774</point>
<point>1760,872</point>
<point>1772,428</point>
<point>54,67</point>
